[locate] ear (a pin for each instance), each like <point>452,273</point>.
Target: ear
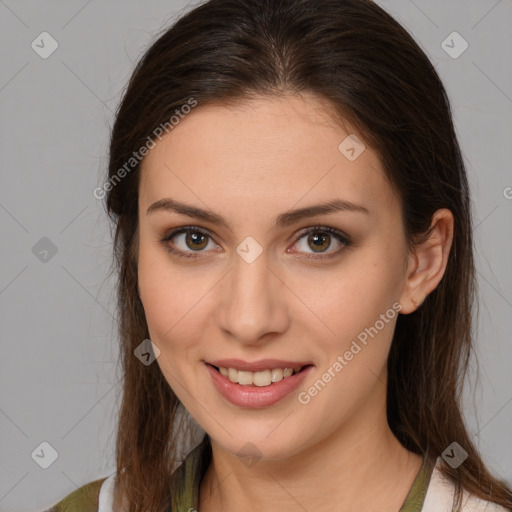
<point>427,263</point>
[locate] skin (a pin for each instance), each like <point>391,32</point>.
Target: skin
<point>249,163</point>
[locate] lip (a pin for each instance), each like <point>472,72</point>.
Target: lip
<point>255,397</point>
<point>257,366</point>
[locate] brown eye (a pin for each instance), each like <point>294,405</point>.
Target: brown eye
<point>187,242</point>
<point>196,240</point>
<point>319,242</point>
<point>319,239</point>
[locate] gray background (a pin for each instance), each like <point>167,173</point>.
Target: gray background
<point>58,376</point>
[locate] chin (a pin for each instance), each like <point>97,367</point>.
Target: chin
<point>252,448</point>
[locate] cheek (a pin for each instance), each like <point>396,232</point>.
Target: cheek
<point>347,299</point>
<point>163,296</point>
<point>361,312</point>
<point>358,308</point>
<point>175,302</point>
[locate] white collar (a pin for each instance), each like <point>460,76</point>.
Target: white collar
<point>440,492</point>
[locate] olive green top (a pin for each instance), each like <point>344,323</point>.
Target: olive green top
<point>84,499</point>
<point>188,478</point>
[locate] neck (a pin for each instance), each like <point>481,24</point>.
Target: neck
<point>361,466</point>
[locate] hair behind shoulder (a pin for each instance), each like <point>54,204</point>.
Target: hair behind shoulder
<point>357,58</point>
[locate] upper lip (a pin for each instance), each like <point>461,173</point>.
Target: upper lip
<point>255,366</point>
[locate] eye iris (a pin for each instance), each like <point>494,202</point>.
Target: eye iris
<point>316,237</point>
<point>196,237</point>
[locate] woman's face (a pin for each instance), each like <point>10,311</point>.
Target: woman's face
<point>259,286</point>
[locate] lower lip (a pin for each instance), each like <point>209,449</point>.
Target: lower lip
<point>256,397</point>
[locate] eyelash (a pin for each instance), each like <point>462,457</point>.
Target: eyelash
<point>344,239</point>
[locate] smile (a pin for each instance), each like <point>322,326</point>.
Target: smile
<point>257,389</point>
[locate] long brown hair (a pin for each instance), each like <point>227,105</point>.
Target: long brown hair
<point>367,67</point>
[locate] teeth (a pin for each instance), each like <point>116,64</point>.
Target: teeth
<point>245,378</point>
<point>277,375</point>
<point>287,372</point>
<point>262,378</point>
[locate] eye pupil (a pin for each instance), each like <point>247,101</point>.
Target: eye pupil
<point>195,237</point>
<point>316,237</point>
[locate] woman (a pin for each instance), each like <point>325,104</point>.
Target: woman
<point>293,234</point>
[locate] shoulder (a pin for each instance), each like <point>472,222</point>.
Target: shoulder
<point>440,494</point>
<point>84,499</point>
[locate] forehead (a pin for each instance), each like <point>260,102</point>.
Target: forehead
<point>262,153</point>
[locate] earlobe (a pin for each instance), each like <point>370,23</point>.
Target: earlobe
<point>427,264</point>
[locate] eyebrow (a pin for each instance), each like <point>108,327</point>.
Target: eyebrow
<point>284,219</point>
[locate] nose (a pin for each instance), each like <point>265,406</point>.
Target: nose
<point>253,302</point>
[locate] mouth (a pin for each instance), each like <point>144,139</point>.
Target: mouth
<point>258,389</point>
<point>260,378</point>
